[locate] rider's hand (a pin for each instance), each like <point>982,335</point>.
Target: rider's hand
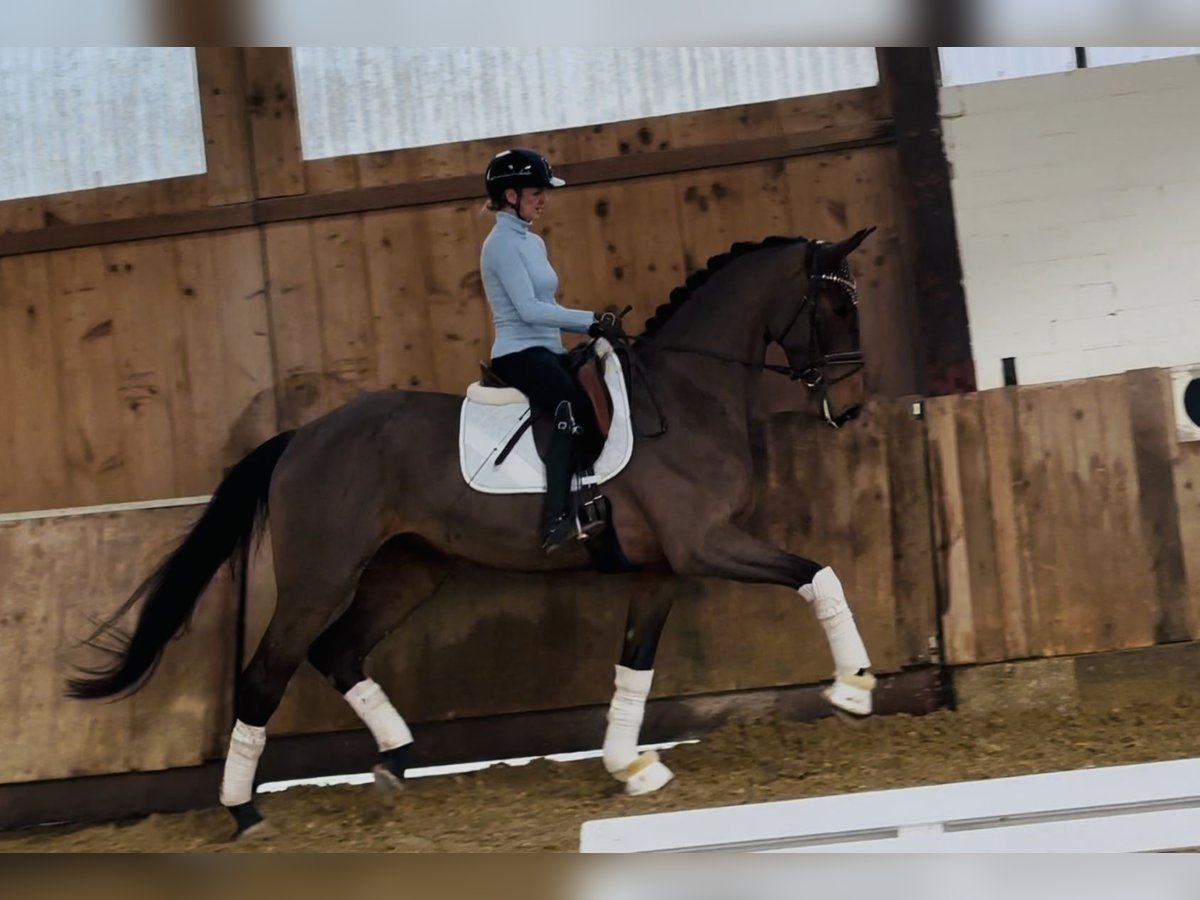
<point>607,325</point>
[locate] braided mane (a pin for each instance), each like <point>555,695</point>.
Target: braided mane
<point>697,279</point>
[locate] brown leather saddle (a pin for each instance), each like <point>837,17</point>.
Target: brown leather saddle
<point>588,371</point>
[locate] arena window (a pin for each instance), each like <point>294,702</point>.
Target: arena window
<point>73,118</point>
<point>360,100</point>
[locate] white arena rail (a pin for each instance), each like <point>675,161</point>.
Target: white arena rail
<point>1124,809</point>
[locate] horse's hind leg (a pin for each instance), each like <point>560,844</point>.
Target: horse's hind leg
<point>402,577</point>
<point>648,610</point>
<point>313,585</point>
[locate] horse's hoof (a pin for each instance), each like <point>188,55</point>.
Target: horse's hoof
<point>387,781</point>
<point>645,775</point>
<point>851,694</point>
<point>249,822</point>
<point>259,831</point>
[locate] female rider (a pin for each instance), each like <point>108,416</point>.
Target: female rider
<point>528,352</point>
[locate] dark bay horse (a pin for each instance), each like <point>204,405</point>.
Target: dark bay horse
<point>382,469</point>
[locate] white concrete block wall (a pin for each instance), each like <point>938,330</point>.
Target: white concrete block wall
<point>1077,201</point>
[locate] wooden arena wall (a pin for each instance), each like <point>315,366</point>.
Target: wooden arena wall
<point>1067,519</point>
<point>150,334</point>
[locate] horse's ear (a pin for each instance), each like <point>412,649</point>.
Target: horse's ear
<point>842,249</point>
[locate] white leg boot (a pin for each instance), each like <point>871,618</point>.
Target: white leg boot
<point>388,727</point>
<point>853,684</point>
<point>642,774</point>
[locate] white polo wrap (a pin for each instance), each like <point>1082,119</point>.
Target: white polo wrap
<point>828,601</point>
<point>371,704</point>
<point>625,715</point>
<point>245,747</point>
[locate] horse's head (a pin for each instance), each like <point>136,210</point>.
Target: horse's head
<point>817,326</point>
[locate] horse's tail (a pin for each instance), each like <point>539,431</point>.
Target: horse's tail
<point>226,531</point>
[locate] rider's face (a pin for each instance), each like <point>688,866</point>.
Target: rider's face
<point>529,202</point>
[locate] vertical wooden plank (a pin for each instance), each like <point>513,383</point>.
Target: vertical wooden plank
<point>978,517</point>
<point>30,636</point>
<point>200,378</point>
<point>225,399</point>
<point>911,511</point>
<point>295,324</point>
<point>246,342</point>
<point>863,450</point>
<point>83,329</point>
<point>11,289</point>
<point>1036,509</point>
<point>274,124</point>
<point>954,563</point>
<point>347,335</point>
<point>226,133</point>
<point>1008,528</point>
<point>140,281</point>
<point>1111,568</point>
<point>585,249</point>
<point>831,196</point>
<point>1154,455</point>
<point>613,216</point>
<point>704,219</point>
<point>657,254</point>
<point>32,437</point>
<point>1187,498</point>
<point>399,310</point>
<point>818,195</point>
<point>455,296</point>
<point>1049,451</point>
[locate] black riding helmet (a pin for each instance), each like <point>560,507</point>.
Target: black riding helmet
<point>518,168</point>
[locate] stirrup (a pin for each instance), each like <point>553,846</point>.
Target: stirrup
<point>561,531</point>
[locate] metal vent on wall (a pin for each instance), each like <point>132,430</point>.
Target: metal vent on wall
<point>1185,389</point>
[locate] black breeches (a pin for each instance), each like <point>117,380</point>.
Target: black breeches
<point>542,376</point>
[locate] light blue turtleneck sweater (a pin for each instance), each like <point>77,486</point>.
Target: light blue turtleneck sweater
<point>520,284</point>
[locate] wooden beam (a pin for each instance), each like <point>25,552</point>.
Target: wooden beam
<point>222,84</point>
<point>107,797</point>
<point>440,190</point>
<point>64,237</point>
<point>940,308</point>
<point>274,122</point>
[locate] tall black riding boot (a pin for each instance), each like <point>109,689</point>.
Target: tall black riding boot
<point>560,526</point>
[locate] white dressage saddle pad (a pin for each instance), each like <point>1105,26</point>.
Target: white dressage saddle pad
<point>491,416</point>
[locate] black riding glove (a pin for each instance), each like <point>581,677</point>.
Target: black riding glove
<point>608,326</point>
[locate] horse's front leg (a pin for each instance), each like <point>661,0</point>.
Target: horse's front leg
<point>738,556</point>
<point>642,773</point>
